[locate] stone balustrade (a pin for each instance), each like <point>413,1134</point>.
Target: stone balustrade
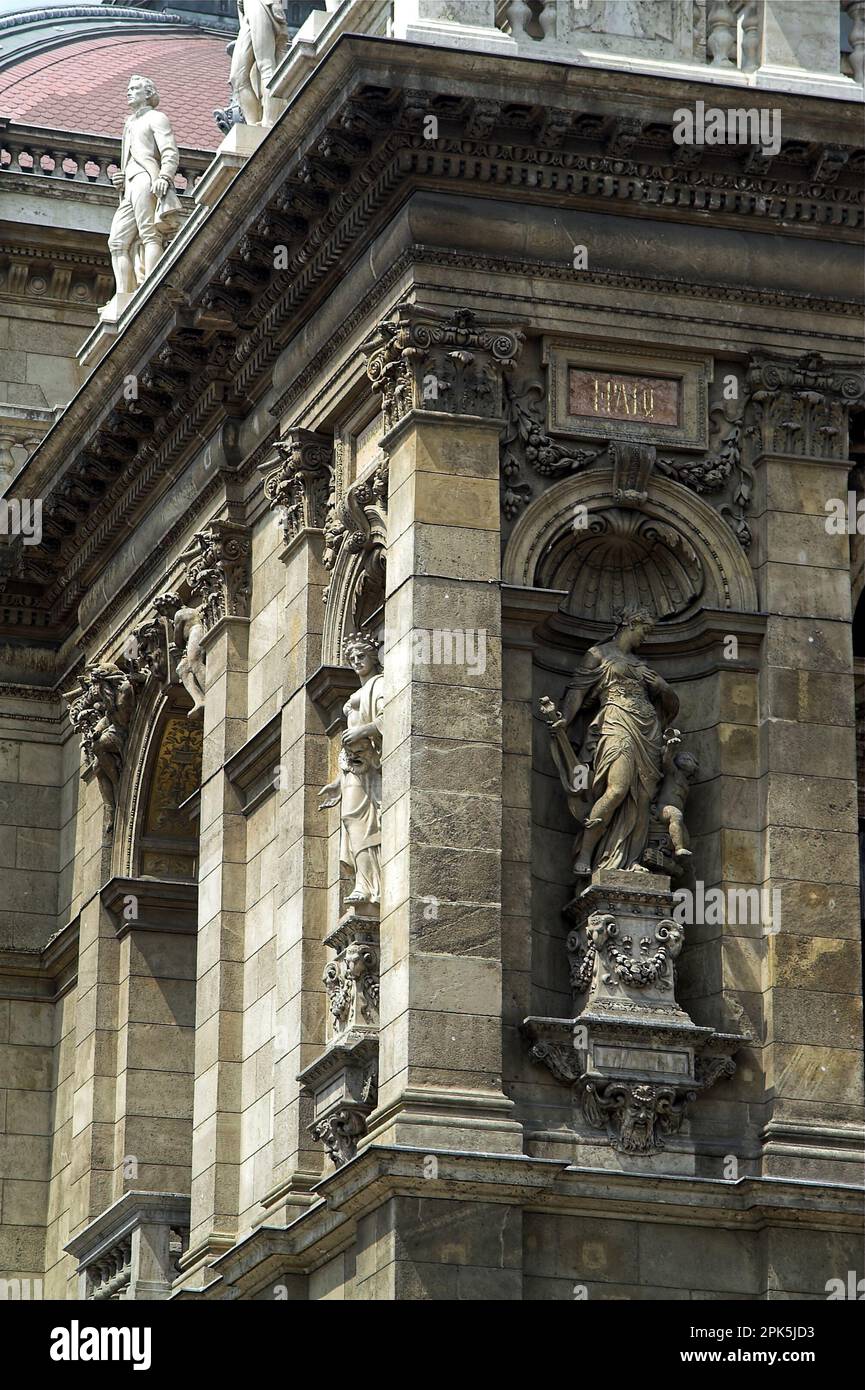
<point>780,44</point>
<point>78,159</point>
<point>21,430</point>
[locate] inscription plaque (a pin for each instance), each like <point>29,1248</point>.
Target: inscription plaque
<point>604,391</point>
<point>623,1058</point>
<point>621,396</point>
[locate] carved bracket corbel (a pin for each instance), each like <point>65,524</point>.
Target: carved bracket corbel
<point>298,481</point>
<point>218,571</point>
<point>100,708</point>
<point>632,1056</point>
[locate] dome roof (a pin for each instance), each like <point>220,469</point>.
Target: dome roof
<point>68,70</point>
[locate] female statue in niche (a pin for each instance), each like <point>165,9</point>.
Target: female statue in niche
<point>357,786</point>
<point>620,762</point>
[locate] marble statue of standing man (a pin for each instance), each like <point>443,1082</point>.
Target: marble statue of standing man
<point>149,206</point>
<point>261,45</point>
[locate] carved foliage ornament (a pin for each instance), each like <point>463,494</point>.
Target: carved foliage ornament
<point>799,406</point>
<point>349,521</point>
<point>423,360</point>
<point>218,571</point>
<point>300,483</point>
<point>101,707</point>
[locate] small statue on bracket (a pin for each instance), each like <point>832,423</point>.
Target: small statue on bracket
<point>357,787</point>
<point>679,769</point>
<point>187,628</point>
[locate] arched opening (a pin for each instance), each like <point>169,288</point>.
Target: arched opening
<point>167,839</point>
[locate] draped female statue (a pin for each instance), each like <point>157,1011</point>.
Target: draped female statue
<point>620,761</point>
<point>357,787</point>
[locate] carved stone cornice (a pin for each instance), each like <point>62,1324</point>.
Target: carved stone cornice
<point>322,202</point>
<point>425,360</point>
<point>799,405</point>
<point>298,481</point>
<point>218,571</point>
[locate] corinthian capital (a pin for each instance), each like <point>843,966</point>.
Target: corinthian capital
<point>422,359</point>
<point>218,571</point>
<point>297,480</point>
<point>799,405</point>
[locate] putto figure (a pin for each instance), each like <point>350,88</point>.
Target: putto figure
<point>149,207</point>
<point>679,769</point>
<point>187,627</point>
<point>357,787</point>
<point>620,759</point>
<point>261,45</point>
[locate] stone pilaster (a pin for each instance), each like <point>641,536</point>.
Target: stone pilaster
<point>440,1058</point>
<point>218,575</point>
<point>796,426</point>
<point>297,482</point>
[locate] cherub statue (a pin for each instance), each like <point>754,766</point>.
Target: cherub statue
<point>679,770</point>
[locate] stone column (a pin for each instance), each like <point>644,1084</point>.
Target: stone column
<point>218,575</point>
<point>297,484</point>
<point>796,427</point>
<point>440,1059</point>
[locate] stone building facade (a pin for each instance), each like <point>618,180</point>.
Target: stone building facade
<point>464,358</point>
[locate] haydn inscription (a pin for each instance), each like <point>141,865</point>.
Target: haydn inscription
<point>622,396</point>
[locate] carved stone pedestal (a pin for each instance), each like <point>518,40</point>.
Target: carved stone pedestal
<point>343,1082</point>
<point>343,1085</point>
<point>634,1057</point>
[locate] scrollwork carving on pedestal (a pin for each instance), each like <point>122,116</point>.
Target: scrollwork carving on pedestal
<point>351,981</point>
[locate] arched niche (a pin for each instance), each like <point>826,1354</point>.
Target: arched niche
<point>672,552</point>
<point>355,595</point>
<point>163,770</point>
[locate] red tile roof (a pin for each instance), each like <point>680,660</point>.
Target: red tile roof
<point>81,86</point>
